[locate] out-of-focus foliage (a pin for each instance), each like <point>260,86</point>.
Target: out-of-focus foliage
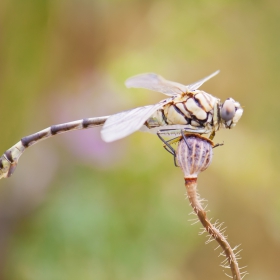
<point>78,208</point>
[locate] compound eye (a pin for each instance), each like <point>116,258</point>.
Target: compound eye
<point>227,110</point>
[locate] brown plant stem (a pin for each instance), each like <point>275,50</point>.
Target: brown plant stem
<point>191,186</point>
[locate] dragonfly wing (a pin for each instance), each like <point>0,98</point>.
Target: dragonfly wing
<point>156,83</point>
<point>125,123</point>
<point>199,83</point>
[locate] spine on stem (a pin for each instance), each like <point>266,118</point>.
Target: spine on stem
<point>194,154</point>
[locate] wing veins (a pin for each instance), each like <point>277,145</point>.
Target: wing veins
<point>125,123</point>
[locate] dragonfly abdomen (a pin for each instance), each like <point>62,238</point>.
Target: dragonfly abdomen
<point>8,161</point>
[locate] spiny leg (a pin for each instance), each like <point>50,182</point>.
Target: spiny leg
<point>218,145</point>
<point>168,147</point>
<point>185,138</point>
<point>212,135</point>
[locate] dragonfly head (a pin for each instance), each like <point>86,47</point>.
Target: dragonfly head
<point>230,113</point>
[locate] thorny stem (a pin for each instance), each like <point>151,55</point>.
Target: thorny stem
<point>191,186</point>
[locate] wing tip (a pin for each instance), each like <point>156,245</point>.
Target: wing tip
<point>135,81</point>
<point>128,83</point>
<point>107,138</point>
<point>216,72</point>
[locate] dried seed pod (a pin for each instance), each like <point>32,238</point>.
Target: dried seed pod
<point>194,154</point>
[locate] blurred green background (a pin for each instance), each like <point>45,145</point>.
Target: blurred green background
<point>78,208</point>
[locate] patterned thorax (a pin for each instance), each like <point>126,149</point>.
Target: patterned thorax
<point>194,109</point>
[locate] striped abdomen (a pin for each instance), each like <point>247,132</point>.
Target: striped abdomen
<point>9,160</point>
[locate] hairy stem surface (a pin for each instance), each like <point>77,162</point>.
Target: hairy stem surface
<point>191,186</point>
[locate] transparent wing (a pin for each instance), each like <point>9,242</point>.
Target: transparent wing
<point>124,123</point>
<point>199,83</point>
<point>156,83</point>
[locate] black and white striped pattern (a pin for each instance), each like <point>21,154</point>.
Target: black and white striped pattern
<point>9,160</point>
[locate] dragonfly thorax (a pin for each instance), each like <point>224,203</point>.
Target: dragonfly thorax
<point>194,111</point>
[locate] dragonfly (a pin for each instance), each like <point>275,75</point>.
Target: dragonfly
<point>186,110</point>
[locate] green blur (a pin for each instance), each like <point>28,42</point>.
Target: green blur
<point>78,208</point>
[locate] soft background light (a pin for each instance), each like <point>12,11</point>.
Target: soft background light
<point>78,208</point>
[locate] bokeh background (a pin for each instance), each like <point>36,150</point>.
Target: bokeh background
<point>79,208</point>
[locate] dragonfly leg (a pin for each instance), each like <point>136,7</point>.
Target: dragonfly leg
<point>185,138</point>
<point>218,145</point>
<point>168,147</point>
<point>212,135</point>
